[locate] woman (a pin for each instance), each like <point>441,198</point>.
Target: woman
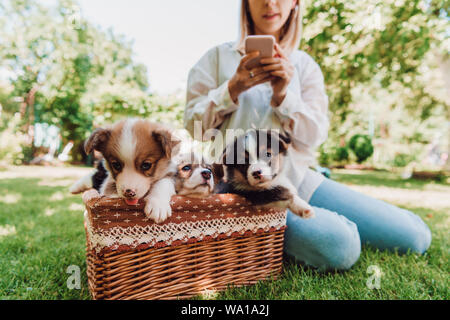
<point>287,92</point>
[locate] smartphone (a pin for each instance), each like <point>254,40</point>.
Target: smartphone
<point>263,44</point>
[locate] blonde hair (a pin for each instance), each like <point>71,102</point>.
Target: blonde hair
<point>290,35</point>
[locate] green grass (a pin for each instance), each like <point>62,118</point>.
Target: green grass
<point>41,235</point>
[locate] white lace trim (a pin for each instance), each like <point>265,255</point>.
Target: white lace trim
<point>151,234</point>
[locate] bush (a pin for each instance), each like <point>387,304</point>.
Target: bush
<point>14,144</point>
<point>362,147</point>
<point>341,154</point>
<point>324,156</point>
<point>402,160</point>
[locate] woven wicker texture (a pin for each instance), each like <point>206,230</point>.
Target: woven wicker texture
<point>237,247</point>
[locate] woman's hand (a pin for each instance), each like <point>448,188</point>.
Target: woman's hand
<point>244,78</point>
<point>281,70</point>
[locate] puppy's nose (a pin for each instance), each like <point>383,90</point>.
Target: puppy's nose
<point>130,193</point>
<point>257,174</point>
<point>206,174</point>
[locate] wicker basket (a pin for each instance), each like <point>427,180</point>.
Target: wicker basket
<point>207,244</point>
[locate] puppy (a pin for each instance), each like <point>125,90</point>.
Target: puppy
<point>194,177</point>
<point>93,180</point>
<point>136,165</point>
<point>253,167</point>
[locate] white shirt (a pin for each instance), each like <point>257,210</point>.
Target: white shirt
<point>302,113</point>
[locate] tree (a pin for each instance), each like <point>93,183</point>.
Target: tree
<point>386,50</point>
<point>66,71</point>
<point>383,41</point>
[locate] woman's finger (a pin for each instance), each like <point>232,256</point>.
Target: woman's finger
<point>281,74</point>
<point>245,59</point>
<point>257,70</point>
<point>280,51</point>
<point>270,60</point>
<point>273,67</point>
<point>266,78</point>
<point>258,77</point>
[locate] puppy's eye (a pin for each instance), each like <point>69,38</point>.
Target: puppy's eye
<point>186,168</point>
<point>116,165</point>
<point>146,166</point>
<point>268,154</point>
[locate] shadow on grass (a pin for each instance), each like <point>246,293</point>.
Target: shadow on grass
<point>381,179</point>
<point>27,187</point>
<point>35,258</point>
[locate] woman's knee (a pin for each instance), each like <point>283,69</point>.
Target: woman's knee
<point>417,239</point>
<point>344,249</point>
<point>334,245</point>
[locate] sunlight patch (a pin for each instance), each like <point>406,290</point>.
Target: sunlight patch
<point>7,230</point>
<point>55,183</point>
<point>57,196</point>
<point>49,212</point>
<point>438,200</point>
<point>11,198</point>
<point>76,207</point>
<point>444,224</point>
<point>209,294</point>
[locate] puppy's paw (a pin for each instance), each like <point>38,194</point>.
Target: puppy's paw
<point>308,213</point>
<point>301,208</point>
<point>81,185</point>
<point>75,189</point>
<point>90,194</point>
<point>157,210</point>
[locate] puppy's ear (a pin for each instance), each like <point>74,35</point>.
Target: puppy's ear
<point>285,141</point>
<point>217,169</point>
<point>223,157</point>
<point>227,156</point>
<point>169,143</point>
<point>97,140</point>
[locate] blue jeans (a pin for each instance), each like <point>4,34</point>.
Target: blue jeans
<point>345,219</point>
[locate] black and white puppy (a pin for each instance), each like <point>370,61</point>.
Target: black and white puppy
<point>253,167</point>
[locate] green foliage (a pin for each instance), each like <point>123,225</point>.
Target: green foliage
<point>324,157</point>
<point>361,145</point>
<point>68,72</point>
<point>402,159</point>
<point>329,154</point>
<point>380,61</point>
<point>341,154</point>
<point>14,146</point>
<point>375,41</point>
<point>383,64</point>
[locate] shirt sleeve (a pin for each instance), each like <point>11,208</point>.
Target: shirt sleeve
<point>305,116</point>
<point>207,102</point>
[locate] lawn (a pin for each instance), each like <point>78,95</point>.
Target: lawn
<point>41,235</point>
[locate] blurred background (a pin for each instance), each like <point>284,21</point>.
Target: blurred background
<point>69,66</point>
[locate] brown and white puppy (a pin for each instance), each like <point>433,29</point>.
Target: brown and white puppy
<point>194,177</point>
<point>137,165</point>
<point>253,167</point>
